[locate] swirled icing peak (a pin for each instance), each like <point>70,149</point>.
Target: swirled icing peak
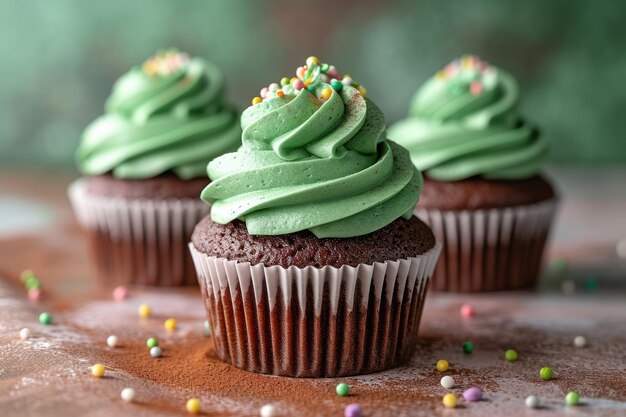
<point>464,122</point>
<point>167,116</point>
<point>315,157</point>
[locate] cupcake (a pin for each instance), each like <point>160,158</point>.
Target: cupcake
<point>144,165</point>
<point>311,263</point>
<point>484,195</point>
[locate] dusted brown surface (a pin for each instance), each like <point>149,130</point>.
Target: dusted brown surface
<point>162,186</point>
<point>479,193</point>
<point>399,240</point>
<point>49,374</point>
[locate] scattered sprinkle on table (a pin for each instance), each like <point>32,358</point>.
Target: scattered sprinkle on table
<point>572,398</point>
<point>447,382</point>
<point>120,293</point>
<point>580,341</point>
<point>510,355</point>
<point>468,347</point>
<point>532,401</point>
<point>128,395</point>
<point>353,410</point>
<point>144,311</point>
<point>449,401</point>
<point>45,318</point>
<point>268,410</point>
<point>152,342</point>
<point>156,352</point>
<point>342,389</point>
<point>442,365</point>
<point>25,333</point>
<point>170,325</point>
<point>467,311</point>
<point>473,394</point>
<point>31,283</point>
<point>194,406</point>
<point>34,294</point>
<point>98,370</point>
<point>546,373</point>
<point>112,341</point>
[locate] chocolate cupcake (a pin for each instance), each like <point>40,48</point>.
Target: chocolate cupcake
<point>484,195</point>
<point>311,263</point>
<point>144,164</point>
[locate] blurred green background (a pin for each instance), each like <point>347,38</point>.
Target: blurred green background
<point>60,59</point>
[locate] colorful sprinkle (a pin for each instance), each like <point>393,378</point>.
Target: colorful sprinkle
<point>467,311</point>
<point>449,400</point>
<point>152,342</point>
<point>362,90</point>
<point>274,87</point>
<point>468,347</point>
<point>297,84</point>
<point>45,318</point>
<point>580,341</point>
<point>347,81</point>
<point>34,294</point>
<point>268,410</point>
<point>447,382</point>
<point>156,352</point>
<point>263,93</point>
<point>280,93</point>
<point>342,389</point>
<point>336,85</point>
<point>442,365</point>
<point>311,88</point>
<point>194,406</point>
<point>98,370</point>
<point>473,394</point>
<point>112,341</point>
<point>284,81</point>
<point>312,60</point>
<point>326,93</point>
<point>510,355</point>
<point>353,410</point>
<point>546,373</point>
<point>120,293</point>
<point>476,88</point>
<point>170,325</point>
<point>572,398</point>
<point>332,72</point>
<point>324,68</point>
<point>532,401</point>
<point>127,395</point>
<point>31,283</point>
<point>25,274</point>
<point>165,63</point>
<point>144,311</point>
<point>25,333</point>
<point>256,100</point>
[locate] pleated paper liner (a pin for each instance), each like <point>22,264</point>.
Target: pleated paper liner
<point>490,250</point>
<point>315,322</point>
<point>138,241</point>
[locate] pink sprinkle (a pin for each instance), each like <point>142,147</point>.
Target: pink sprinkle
<point>34,294</point>
<point>473,394</point>
<point>298,84</point>
<point>264,92</point>
<point>332,72</point>
<point>120,293</point>
<point>467,311</point>
<point>476,88</point>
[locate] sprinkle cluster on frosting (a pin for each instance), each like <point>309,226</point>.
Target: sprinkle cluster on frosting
<point>468,73</point>
<point>164,63</point>
<point>310,76</point>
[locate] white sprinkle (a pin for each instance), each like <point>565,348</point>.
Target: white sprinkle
<point>269,410</point>
<point>128,395</point>
<point>568,286</point>
<point>156,352</point>
<point>532,401</point>
<point>620,248</point>
<point>274,87</point>
<point>112,341</point>
<point>25,333</point>
<point>580,341</point>
<point>347,81</point>
<point>447,382</point>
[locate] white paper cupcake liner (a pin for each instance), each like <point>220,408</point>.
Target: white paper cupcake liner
<point>138,241</point>
<point>314,322</point>
<point>489,250</point>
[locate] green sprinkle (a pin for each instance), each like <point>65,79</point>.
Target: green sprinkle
<point>572,398</point>
<point>468,347</point>
<point>342,389</point>
<point>559,264</point>
<point>284,81</point>
<point>546,373</point>
<point>25,274</point>
<point>45,318</point>
<point>32,282</point>
<point>324,68</point>
<point>152,342</point>
<point>336,85</point>
<point>510,355</point>
<point>311,88</point>
<point>591,284</point>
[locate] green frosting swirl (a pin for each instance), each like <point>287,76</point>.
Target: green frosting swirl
<point>168,116</point>
<point>311,163</point>
<point>464,122</point>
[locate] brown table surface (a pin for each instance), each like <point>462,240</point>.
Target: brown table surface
<point>49,374</point>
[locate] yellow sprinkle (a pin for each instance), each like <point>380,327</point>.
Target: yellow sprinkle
<point>449,401</point>
<point>293,79</point>
<point>97,370</point>
<point>194,406</point>
<point>144,311</point>
<point>312,60</point>
<point>326,93</point>
<point>170,325</point>
<point>362,90</point>
<point>256,100</point>
<point>280,93</point>
<point>442,365</point>
<point>347,76</point>
<point>441,75</point>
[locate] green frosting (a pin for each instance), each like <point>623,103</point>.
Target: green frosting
<point>464,122</point>
<point>312,163</point>
<point>168,116</point>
